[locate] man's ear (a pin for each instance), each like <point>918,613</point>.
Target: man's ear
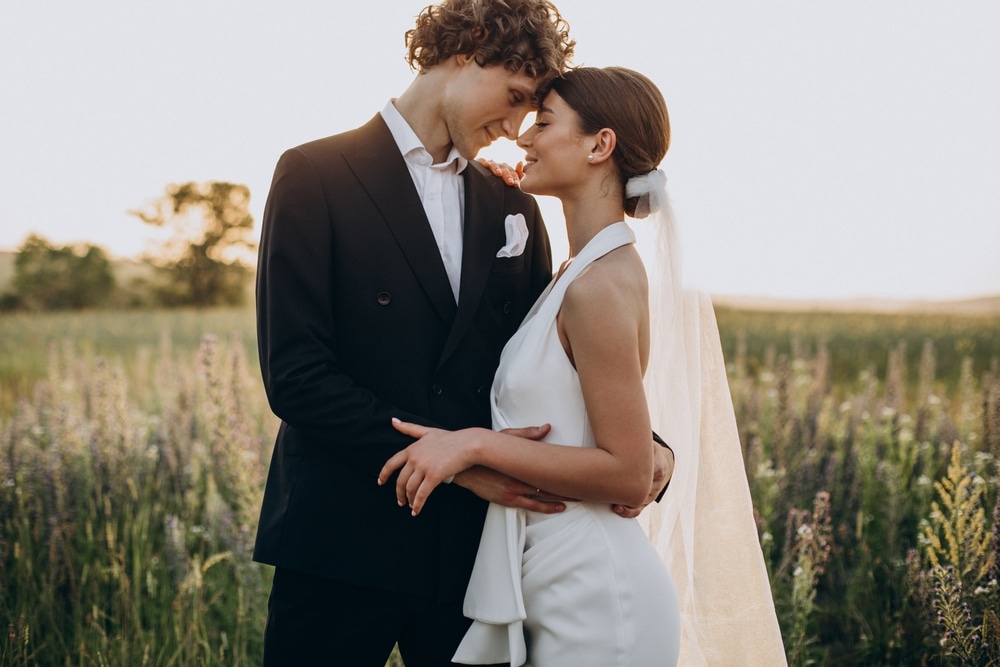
<point>603,145</point>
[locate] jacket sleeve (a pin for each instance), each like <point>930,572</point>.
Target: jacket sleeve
<point>296,331</point>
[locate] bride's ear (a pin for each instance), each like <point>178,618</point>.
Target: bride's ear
<point>603,145</point>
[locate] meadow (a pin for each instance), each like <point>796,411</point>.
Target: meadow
<point>133,448</point>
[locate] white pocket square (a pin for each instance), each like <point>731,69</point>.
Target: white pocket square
<point>517,236</point>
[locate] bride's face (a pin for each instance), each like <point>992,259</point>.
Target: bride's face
<point>555,150</point>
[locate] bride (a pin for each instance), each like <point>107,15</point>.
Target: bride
<point>585,586</point>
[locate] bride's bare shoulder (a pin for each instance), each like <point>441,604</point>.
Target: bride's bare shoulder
<point>614,285</point>
<point>619,273</point>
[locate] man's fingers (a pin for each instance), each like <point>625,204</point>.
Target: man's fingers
<point>529,432</point>
<point>663,469</point>
<point>553,497</point>
<point>535,505</point>
<point>535,500</point>
<point>627,511</point>
<point>499,488</point>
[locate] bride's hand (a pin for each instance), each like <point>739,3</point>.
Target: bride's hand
<point>436,456</point>
<point>510,175</point>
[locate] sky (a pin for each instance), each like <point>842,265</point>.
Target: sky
<point>820,150</point>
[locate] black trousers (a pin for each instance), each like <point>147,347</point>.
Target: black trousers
<point>317,622</point>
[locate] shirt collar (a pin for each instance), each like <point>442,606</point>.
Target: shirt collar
<point>409,143</point>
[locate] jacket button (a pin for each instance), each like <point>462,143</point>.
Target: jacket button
<point>436,389</point>
<point>384,298</point>
<point>507,307</point>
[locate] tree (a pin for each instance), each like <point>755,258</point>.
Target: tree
<point>205,261</point>
<point>47,277</point>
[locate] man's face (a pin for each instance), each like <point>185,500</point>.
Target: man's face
<point>485,103</point>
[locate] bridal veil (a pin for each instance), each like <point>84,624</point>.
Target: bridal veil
<point>704,527</point>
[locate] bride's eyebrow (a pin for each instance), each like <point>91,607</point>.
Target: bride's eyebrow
<point>543,109</point>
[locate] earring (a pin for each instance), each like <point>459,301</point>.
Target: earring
<point>590,158</point>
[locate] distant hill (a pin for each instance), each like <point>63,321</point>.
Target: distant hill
<point>986,305</point>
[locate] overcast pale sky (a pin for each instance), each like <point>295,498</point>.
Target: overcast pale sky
<point>821,150</point>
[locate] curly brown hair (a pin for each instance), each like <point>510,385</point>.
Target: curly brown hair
<point>522,35</point>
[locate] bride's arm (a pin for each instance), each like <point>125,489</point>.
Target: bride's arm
<point>602,324</point>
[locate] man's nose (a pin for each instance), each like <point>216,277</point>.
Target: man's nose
<point>508,128</point>
<point>512,124</point>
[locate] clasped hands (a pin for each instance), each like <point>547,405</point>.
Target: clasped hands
<point>439,454</point>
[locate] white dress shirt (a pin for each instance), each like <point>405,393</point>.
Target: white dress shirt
<point>441,189</point>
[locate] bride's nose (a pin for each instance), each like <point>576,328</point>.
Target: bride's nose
<point>524,140</point>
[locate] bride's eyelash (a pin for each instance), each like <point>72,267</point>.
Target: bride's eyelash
<point>540,124</point>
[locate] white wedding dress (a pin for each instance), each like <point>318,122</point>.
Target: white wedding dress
<point>584,587</point>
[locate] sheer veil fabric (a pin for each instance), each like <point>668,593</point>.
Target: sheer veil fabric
<point>704,528</point>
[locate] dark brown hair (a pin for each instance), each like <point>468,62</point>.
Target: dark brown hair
<point>626,102</point>
<point>528,35</point>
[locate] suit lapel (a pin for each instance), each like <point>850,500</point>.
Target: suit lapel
<point>483,237</point>
<point>382,172</point>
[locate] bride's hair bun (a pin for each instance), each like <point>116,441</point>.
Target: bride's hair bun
<point>646,190</point>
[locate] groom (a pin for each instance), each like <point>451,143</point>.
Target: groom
<point>382,292</point>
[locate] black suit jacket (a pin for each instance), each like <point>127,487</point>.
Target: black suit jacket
<point>356,324</point>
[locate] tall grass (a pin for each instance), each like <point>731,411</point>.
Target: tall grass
<point>131,338</point>
<point>847,475</point>
<point>125,533</point>
<point>133,449</point>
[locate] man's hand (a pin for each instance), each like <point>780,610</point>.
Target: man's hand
<point>510,175</point>
<point>499,488</point>
<point>663,470</point>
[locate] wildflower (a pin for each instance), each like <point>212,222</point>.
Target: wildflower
<point>982,459</point>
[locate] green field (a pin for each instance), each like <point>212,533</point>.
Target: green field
<point>133,447</point>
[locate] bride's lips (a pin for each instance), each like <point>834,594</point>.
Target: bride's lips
<point>528,162</point>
